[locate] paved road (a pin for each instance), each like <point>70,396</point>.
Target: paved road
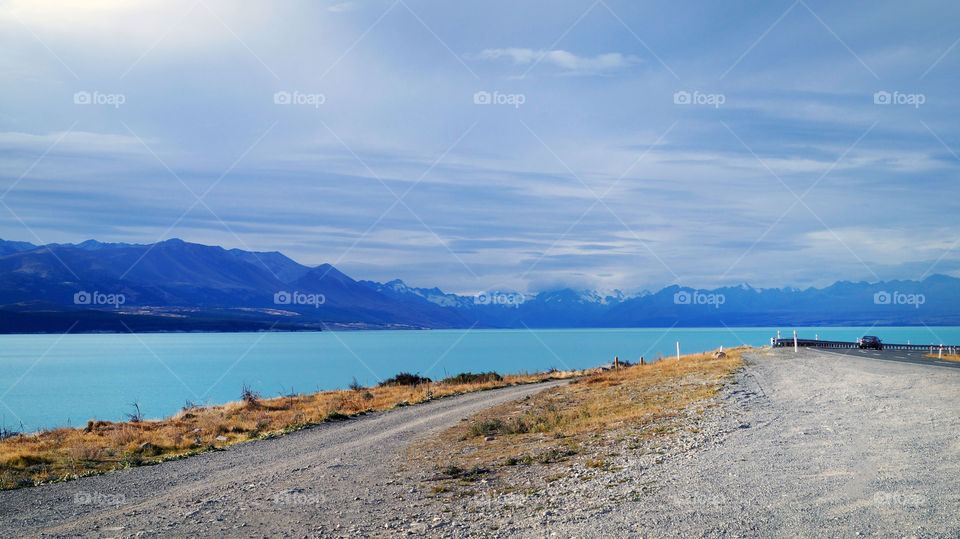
<point>337,478</point>
<point>892,355</point>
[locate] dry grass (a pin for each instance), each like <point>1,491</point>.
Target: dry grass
<point>946,357</point>
<point>65,453</point>
<point>636,403</point>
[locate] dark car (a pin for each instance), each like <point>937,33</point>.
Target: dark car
<point>870,341</point>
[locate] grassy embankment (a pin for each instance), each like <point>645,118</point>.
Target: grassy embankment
<point>946,357</point>
<point>584,420</point>
<point>67,453</point>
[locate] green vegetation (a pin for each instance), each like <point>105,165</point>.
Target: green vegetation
<point>405,379</point>
<point>470,378</point>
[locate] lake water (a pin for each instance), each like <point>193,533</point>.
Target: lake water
<point>50,380</point>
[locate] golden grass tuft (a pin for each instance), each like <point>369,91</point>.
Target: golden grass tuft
<point>946,357</point>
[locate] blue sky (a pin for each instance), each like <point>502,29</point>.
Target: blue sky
<point>587,168</point>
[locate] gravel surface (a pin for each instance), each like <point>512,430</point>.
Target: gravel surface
<point>809,444</point>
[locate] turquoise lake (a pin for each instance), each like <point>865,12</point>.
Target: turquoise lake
<point>54,380</point>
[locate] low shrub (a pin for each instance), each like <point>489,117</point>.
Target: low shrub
<point>487,427</point>
<point>405,379</point>
<point>470,378</point>
<point>452,470</point>
<point>555,455</point>
<point>513,461</point>
<point>249,396</point>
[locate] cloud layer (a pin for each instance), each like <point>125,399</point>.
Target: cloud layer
<point>444,144</point>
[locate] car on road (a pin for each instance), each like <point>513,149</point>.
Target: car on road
<point>869,341</point>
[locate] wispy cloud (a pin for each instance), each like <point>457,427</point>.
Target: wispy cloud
<point>563,59</point>
<point>342,7</point>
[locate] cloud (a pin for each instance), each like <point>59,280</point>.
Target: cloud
<point>342,7</point>
<point>562,59</point>
<point>73,141</point>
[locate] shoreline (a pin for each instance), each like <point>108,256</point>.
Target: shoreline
<point>67,453</point>
<point>278,358</point>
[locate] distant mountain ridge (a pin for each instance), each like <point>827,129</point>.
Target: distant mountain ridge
<point>180,286</point>
<point>933,301</point>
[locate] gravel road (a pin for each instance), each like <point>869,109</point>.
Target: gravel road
<point>806,444</point>
<point>336,478</point>
<point>816,445</point>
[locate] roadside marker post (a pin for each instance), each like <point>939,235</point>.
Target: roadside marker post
<point>794,340</point>
<point>940,352</point>
<point>678,350</point>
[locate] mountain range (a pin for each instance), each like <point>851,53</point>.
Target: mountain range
<point>180,286</point>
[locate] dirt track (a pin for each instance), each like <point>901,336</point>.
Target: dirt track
<point>331,477</point>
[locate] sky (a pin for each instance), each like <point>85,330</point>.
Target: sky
<point>494,145</point>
